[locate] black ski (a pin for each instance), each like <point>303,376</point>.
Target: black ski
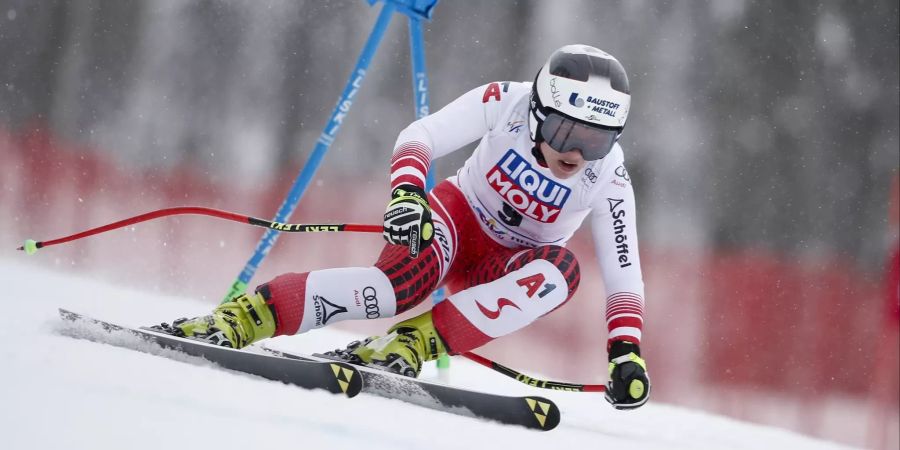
<point>336,377</point>
<point>312,372</point>
<point>533,412</point>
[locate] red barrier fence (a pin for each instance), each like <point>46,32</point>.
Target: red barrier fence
<point>800,328</point>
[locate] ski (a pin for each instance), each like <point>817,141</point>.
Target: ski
<point>312,372</point>
<point>333,376</point>
<point>531,411</point>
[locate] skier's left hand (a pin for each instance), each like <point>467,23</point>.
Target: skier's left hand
<point>407,220</point>
<point>629,384</point>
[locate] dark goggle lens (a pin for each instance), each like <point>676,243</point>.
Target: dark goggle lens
<point>566,135</point>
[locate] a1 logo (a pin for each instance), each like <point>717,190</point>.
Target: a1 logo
<point>533,283</point>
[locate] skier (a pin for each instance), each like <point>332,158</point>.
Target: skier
<point>547,158</point>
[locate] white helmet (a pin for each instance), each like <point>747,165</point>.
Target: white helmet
<point>580,101</point>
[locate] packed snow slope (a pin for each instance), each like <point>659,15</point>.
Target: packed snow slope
<point>59,392</point>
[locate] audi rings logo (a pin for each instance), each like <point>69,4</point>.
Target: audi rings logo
<point>370,300</point>
<point>621,172</point>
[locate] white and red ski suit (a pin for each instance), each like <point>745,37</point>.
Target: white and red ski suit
<point>501,224</point>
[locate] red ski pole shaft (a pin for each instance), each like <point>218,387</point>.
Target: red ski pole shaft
<point>32,246</point>
<point>531,381</point>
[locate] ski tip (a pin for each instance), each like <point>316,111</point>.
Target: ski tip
<point>546,413</point>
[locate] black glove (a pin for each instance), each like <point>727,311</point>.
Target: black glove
<point>629,384</point>
<point>407,220</point>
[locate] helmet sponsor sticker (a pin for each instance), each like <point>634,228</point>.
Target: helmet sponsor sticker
<point>575,101</point>
<point>594,104</point>
<point>554,92</point>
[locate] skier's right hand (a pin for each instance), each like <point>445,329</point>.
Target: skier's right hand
<point>407,220</point>
<point>629,384</point>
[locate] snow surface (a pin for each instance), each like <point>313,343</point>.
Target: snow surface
<point>63,393</point>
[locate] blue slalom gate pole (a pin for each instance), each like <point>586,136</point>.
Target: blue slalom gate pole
<point>419,72</point>
<point>322,144</point>
<point>419,79</point>
<point>420,95</point>
<point>412,8</point>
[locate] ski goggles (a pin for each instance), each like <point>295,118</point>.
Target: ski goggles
<point>565,135</point>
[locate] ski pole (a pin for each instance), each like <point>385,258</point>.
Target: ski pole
<point>31,246</point>
<point>531,381</point>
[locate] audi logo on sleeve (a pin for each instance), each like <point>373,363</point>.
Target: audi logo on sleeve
<point>527,190</point>
<point>369,302</point>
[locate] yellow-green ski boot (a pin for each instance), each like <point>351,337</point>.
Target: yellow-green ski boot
<point>236,323</point>
<point>402,350</point>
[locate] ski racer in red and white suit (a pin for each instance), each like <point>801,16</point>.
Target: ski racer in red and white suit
<point>505,209</point>
<point>495,233</point>
<point>509,202</point>
<point>507,196</point>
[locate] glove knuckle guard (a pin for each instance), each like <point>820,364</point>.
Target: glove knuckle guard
<point>636,389</point>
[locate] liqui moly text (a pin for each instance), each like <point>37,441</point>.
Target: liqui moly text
<point>526,189</point>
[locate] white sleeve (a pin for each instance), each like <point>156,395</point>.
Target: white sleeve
<point>464,120</point>
<point>614,228</point>
<point>461,122</point>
